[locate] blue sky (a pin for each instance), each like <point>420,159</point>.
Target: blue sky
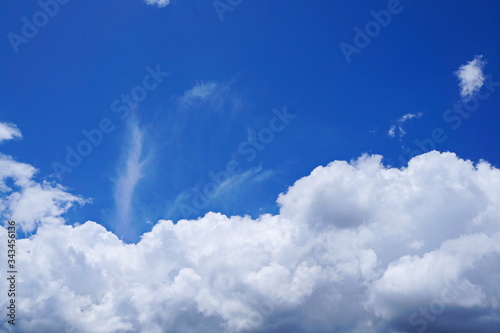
<point>263,89</point>
<point>265,55</point>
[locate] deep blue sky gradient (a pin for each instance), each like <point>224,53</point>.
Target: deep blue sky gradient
<point>269,54</point>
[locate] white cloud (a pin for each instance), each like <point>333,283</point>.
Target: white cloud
<point>218,95</point>
<point>413,280</point>
<point>28,202</point>
<point>356,247</point>
<point>9,131</point>
<point>398,129</point>
<point>409,116</point>
<point>159,3</point>
<point>471,77</point>
<point>201,91</point>
<point>129,175</point>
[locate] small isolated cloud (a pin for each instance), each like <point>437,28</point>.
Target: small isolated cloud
<point>471,77</point>
<point>9,131</point>
<point>200,92</point>
<point>397,129</point>
<point>159,3</point>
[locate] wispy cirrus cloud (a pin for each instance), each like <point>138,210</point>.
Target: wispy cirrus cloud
<point>130,173</point>
<point>218,189</point>
<point>471,77</point>
<point>219,96</point>
<point>201,91</point>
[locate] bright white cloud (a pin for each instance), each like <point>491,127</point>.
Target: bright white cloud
<point>159,3</point>
<point>9,131</point>
<point>471,77</point>
<point>356,247</point>
<point>398,129</point>
<point>28,202</point>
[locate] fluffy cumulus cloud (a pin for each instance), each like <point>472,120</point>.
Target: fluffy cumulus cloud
<point>159,3</point>
<point>26,200</point>
<point>356,247</point>
<point>471,77</point>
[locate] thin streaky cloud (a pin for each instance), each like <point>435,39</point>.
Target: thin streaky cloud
<point>129,175</point>
<point>201,91</point>
<point>219,96</point>
<point>397,129</point>
<point>230,186</point>
<point>237,181</point>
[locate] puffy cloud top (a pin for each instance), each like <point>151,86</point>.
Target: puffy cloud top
<point>357,247</point>
<point>471,77</point>
<point>27,201</point>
